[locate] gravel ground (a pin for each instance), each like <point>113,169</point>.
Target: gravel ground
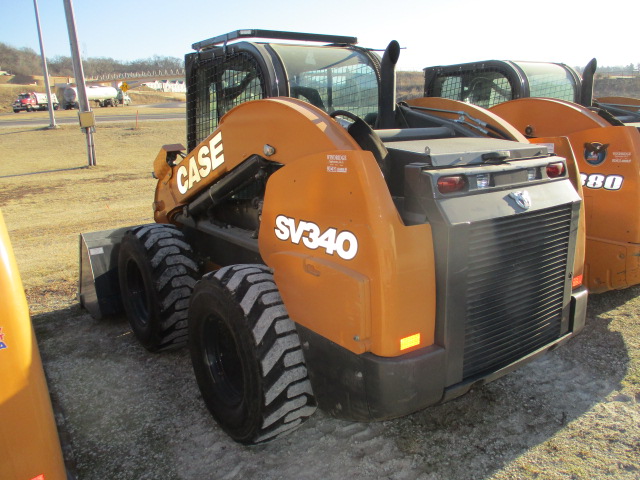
<point>127,414</point>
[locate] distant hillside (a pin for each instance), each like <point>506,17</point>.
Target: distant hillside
<point>26,62</point>
<point>409,85</point>
<point>25,68</point>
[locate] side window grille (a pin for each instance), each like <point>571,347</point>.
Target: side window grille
<point>223,83</point>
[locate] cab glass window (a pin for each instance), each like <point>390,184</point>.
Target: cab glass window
<point>331,78</point>
<point>549,80</point>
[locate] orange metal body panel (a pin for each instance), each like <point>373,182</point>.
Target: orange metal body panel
<point>293,127</point>
<point>476,112</point>
<point>387,288</point>
<point>345,264</point>
<point>613,220</point>
<point>29,444</point>
<point>611,184</point>
<point>548,117</point>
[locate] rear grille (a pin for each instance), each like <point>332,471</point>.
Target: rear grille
<point>515,287</point>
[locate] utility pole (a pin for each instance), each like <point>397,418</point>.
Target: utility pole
<point>87,120</point>
<point>45,70</point>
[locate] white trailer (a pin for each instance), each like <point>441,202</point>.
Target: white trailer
<point>101,95</point>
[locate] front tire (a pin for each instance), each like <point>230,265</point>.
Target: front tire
<point>157,272</point>
<point>247,356</point>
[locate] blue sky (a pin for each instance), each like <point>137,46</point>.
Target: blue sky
<point>433,32</point>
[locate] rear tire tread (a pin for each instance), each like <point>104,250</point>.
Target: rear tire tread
<point>287,394</point>
<point>174,271</point>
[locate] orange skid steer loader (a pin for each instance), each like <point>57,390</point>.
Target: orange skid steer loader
<point>546,102</point>
<point>319,245</point>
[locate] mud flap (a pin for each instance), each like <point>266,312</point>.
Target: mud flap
<point>98,289</point>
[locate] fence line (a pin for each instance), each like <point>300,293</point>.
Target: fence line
<point>177,73</point>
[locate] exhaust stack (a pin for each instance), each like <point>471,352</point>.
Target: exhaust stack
<point>386,115</point>
<point>586,92</point>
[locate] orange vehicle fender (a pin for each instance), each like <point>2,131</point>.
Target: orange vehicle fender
<point>293,128</point>
<point>474,111</point>
<point>611,186</point>
<point>367,281</point>
<point>614,208</point>
<point>547,117</point>
<point>29,444</point>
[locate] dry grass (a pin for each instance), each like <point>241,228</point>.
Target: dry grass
<point>48,197</point>
<point>144,97</point>
<point>410,85</point>
<point>8,94</point>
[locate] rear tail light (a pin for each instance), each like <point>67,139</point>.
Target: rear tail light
<point>555,170</point>
<point>454,183</point>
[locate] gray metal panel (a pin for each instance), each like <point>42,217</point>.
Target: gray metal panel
<point>465,151</point>
<point>368,388</point>
<point>498,203</point>
<point>98,289</point>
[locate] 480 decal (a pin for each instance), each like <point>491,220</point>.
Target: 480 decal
<point>344,243</point>
<point>597,180</point>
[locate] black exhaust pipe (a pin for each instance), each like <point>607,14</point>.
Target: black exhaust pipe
<point>387,110</point>
<point>586,93</point>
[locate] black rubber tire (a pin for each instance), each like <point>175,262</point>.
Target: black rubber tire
<point>247,356</point>
<point>157,271</point>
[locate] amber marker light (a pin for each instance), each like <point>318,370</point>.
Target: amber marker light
<point>576,281</point>
<point>410,341</point>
